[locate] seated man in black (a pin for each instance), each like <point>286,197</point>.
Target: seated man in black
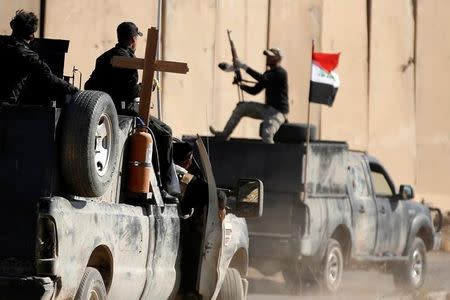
<point>24,76</point>
<point>123,87</point>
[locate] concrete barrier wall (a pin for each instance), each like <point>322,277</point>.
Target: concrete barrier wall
<point>433,101</point>
<point>392,124</point>
<point>347,33</point>
<point>91,27</point>
<point>189,36</point>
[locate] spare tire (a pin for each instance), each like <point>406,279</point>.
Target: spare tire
<point>294,133</point>
<point>89,143</point>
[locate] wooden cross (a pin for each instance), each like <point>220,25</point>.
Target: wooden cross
<point>149,64</point>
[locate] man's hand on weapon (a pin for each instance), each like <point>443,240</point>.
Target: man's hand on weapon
<point>226,67</point>
<point>240,65</point>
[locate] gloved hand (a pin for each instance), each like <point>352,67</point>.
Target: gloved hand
<point>241,65</point>
<point>226,67</point>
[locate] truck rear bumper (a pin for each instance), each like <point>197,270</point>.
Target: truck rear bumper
<point>41,288</point>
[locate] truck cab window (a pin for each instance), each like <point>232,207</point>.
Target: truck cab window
<point>381,185</point>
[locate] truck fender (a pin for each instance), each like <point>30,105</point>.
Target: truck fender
<point>234,251</point>
<point>240,261</point>
<point>344,236</point>
<point>421,226</point>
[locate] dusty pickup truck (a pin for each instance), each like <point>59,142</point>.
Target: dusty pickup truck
<point>70,230</point>
<point>352,214</point>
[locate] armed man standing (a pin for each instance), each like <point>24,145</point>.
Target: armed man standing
<point>24,76</point>
<point>274,111</point>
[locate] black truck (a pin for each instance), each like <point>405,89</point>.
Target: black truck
<point>352,212</point>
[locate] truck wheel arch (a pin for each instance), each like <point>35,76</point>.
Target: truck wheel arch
<point>422,228</point>
<point>426,234</point>
<point>343,236</point>
<point>102,260</point>
<point>240,261</point>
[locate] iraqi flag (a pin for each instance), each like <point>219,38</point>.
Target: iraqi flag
<point>324,81</point>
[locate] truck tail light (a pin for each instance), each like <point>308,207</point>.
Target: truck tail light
<point>46,238</point>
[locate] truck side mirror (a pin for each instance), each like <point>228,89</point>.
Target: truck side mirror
<point>406,192</point>
<point>249,200</point>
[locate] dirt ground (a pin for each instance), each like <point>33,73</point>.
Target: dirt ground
<point>360,284</point>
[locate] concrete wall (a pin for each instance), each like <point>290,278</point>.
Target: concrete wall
<point>391,100</point>
<point>91,27</point>
<point>348,118</point>
<point>433,101</point>
<point>189,36</point>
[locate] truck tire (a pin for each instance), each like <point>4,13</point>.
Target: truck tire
<point>91,286</point>
<point>232,288</point>
<point>89,143</point>
<point>294,133</point>
<point>332,268</point>
<point>410,275</point>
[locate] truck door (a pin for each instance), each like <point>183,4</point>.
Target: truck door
<point>210,274</point>
<point>364,210</point>
<point>392,229</point>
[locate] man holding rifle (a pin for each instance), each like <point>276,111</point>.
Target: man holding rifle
<point>274,111</point>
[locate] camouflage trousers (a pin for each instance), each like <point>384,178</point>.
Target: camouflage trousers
<point>272,119</point>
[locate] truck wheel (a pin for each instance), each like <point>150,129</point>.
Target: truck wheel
<point>330,276</point>
<point>232,288</point>
<point>410,275</point>
<point>89,143</point>
<point>92,286</point>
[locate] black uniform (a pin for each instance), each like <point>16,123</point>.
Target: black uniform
<point>276,84</point>
<point>25,77</point>
<point>122,85</point>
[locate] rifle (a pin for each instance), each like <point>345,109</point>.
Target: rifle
<point>237,72</point>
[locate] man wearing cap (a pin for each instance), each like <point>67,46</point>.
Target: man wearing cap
<point>121,84</point>
<point>25,77</point>
<point>123,87</point>
<point>274,111</point>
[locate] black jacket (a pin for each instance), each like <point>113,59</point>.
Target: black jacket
<point>23,74</point>
<point>121,84</point>
<point>275,81</point>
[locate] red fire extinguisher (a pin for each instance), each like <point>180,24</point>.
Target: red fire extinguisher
<point>140,159</point>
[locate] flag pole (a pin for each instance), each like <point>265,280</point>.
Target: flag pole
<point>308,135</point>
